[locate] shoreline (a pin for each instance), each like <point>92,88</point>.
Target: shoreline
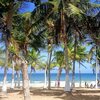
<point>41,83</point>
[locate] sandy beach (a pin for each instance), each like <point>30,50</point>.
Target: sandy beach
<point>53,94</point>
<point>39,93</point>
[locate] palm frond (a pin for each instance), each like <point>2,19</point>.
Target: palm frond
<point>73,10</point>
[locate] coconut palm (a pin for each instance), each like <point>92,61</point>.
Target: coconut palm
<point>7,11</point>
<point>27,38</point>
<point>34,60</point>
<point>81,57</point>
<point>64,24</point>
<point>7,29</point>
<point>17,70</point>
<point>61,15</point>
<point>59,57</point>
<point>94,58</point>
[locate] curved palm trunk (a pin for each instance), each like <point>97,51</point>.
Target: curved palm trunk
<point>12,83</point>
<point>58,77</point>
<point>25,81</point>
<point>79,74</point>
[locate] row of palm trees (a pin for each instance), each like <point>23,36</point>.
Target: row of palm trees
<point>63,23</point>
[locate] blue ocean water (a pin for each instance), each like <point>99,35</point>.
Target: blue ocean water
<point>40,77</point>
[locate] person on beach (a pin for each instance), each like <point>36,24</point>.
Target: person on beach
<point>57,84</point>
<point>86,85</point>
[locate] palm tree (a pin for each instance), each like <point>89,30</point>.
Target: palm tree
<point>94,58</point>
<point>50,49</point>
<point>17,70</point>
<point>61,14</point>
<point>81,57</point>
<point>13,65</point>
<point>24,40</point>
<point>64,22</point>
<point>20,40</point>
<point>94,31</point>
<point>59,57</point>
<point>6,7</point>
<point>28,38</point>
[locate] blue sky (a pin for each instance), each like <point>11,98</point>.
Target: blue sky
<point>29,7</point>
<point>26,7</point>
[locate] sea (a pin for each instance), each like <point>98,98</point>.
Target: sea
<point>40,77</point>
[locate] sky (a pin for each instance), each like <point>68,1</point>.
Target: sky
<point>29,7</point>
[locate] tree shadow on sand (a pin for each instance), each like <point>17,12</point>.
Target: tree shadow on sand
<point>14,91</point>
<point>77,95</point>
<point>3,95</point>
<point>45,92</point>
<point>81,95</point>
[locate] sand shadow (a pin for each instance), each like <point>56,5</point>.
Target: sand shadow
<point>45,92</point>
<point>79,95</point>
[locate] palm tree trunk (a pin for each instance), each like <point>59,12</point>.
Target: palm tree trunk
<point>18,77</point>
<point>45,82</point>
<point>79,74</point>
<point>8,27</point>
<point>65,41</point>
<point>4,87</point>
<point>73,71</point>
<point>25,81</point>
<point>96,69</point>
<point>30,76</point>
<point>67,82</point>
<point>49,62</point>
<point>12,83</point>
<point>58,77</point>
